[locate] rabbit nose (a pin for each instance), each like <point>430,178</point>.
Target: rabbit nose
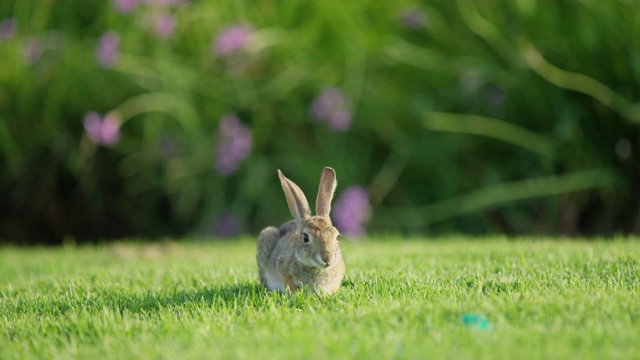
<point>326,258</point>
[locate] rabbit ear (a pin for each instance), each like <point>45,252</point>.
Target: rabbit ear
<point>296,200</point>
<point>328,185</point>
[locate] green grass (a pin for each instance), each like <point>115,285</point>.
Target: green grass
<point>401,299</point>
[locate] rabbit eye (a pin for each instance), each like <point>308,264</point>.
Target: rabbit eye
<point>305,238</point>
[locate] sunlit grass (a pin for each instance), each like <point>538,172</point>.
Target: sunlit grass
<point>542,298</point>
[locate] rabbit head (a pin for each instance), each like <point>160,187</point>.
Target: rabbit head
<point>317,239</point>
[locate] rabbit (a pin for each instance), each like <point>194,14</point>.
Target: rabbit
<point>304,252</point>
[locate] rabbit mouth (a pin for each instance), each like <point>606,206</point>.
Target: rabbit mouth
<point>309,262</point>
<point>317,261</point>
<point>325,264</point>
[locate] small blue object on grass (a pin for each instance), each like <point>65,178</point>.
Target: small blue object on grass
<point>476,321</point>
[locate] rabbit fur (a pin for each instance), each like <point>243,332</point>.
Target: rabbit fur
<point>304,252</point>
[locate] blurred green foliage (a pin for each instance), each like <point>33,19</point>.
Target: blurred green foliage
<point>465,116</point>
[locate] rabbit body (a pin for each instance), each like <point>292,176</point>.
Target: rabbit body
<point>304,252</point>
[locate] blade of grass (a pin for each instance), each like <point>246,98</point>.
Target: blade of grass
<point>490,127</point>
<point>502,194</point>
<point>579,82</point>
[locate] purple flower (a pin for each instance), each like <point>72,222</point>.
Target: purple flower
<point>32,50</point>
<point>7,29</point>
<point>232,39</point>
<point>234,146</point>
<point>623,148</point>
<point>108,49</point>
<point>172,3</point>
<point>227,225</point>
<point>495,94</point>
<point>332,106</point>
<point>125,6</point>
<point>469,81</point>
<point>102,130</point>
<point>168,146</point>
<point>165,24</point>
<point>414,19</point>
<point>351,211</point>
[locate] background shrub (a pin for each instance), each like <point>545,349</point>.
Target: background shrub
<point>169,117</point>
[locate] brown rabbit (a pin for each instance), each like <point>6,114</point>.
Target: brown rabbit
<point>304,251</point>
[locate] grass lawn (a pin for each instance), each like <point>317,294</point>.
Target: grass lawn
<point>401,299</point>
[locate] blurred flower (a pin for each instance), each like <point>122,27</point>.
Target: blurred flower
<point>227,225</point>
<point>165,24</point>
<point>351,211</point>
<point>168,146</point>
<point>172,3</point>
<point>125,6</point>
<point>623,148</point>
<point>32,50</point>
<point>470,81</point>
<point>495,94</point>
<point>7,29</point>
<point>332,106</point>
<point>414,19</point>
<point>234,146</point>
<point>108,49</point>
<point>102,131</point>
<point>232,39</point>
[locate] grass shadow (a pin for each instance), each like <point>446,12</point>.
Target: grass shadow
<point>244,294</point>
